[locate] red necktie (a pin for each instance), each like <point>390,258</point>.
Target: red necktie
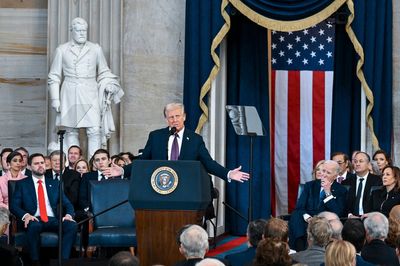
<point>42,203</point>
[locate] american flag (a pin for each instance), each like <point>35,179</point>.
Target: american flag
<point>301,108</point>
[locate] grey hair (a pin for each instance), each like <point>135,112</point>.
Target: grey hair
<point>78,21</point>
<point>376,225</point>
<point>319,231</point>
<point>210,262</point>
<point>337,167</point>
<point>173,106</point>
<point>194,242</point>
<point>4,216</point>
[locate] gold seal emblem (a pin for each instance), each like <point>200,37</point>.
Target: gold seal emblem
<point>164,180</point>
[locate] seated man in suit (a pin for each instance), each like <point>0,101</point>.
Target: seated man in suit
<point>376,251</point>
<point>344,163</point>
<point>35,202</point>
<point>318,195</point>
<point>358,197</point>
<point>319,233</point>
<point>254,235</point>
<point>74,154</point>
<point>71,178</point>
<point>176,142</point>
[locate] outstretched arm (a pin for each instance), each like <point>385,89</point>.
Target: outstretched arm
<point>238,175</point>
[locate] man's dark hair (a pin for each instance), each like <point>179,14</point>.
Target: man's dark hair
<point>255,231</point>
<point>99,151</point>
<point>345,156</point>
<point>22,149</point>
<point>353,231</point>
<point>366,155</point>
<point>4,151</point>
<point>34,156</point>
<point>76,146</point>
<point>123,258</point>
<point>130,155</point>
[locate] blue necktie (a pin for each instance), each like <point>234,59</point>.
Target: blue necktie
<point>322,195</point>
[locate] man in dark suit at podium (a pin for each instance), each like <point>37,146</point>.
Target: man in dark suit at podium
<point>176,142</point>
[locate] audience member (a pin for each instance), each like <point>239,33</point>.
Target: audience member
<point>47,162</point>
<point>394,226</point>
<point>25,155</point>
<point>123,258</point>
<point>354,232</point>
<point>340,253</point>
<point>127,156</point>
<point>373,168</point>
<point>277,229</point>
<point>344,163</point>
<point>272,252</point>
<point>385,198</point>
<point>319,233</point>
<point>8,254</point>
<point>119,161</point>
<point>36,207</point>
<point>193,245</point>
<point>14,162</point>
<point>255,230</point>
<point>70,177</point>
<point>358,201</point>
<point>82,166</point>
<point>376,251</point>
<point>210,262</point>
<point>74,154</point>
<point>318,195</point>
<point>335,223</point>
<point>3,155</point>
<point>317,171</point>
<point>382,159</point>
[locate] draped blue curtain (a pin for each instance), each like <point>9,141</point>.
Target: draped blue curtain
<point>247,84</point>
<point>247,81</point>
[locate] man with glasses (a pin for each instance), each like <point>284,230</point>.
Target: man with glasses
<point>344,163</point>
<point>360,186</point>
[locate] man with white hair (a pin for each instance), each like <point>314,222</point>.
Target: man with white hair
<point>210,262</point>
<point>87,89</point>
<point>335,222</point>
<point>317,196</point>
<point>376,251</point>
<point>193,245</point>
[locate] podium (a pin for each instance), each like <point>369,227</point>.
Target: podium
<point>166,195</point>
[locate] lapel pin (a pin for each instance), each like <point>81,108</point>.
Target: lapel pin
<point>187,138</point>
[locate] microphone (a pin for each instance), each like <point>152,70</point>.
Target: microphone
<point>172,131</point>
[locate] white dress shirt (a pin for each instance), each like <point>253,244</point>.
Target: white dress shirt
<point>171,140</point>
<point>49,210</point>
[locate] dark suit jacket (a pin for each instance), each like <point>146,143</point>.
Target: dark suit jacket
<point>193,148</point>
<point>372,180</point>
<point>309,202</point>
<point>377,252</point>
<point>71,184</point>
<point>242,258</point>
<point>24,198</point>
<point>383,202</point>
<point>312,256</point>
<point>84,196</point>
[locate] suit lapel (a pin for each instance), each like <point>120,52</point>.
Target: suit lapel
<point>51,188</point>
<point>185,145</point>
<point>32,191</point>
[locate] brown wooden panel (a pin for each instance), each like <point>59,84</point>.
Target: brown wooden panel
<point>156,234</point>
<point>23,3</point>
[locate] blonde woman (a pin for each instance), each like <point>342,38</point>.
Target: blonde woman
<point>317,172</point>
<point>340,253</point>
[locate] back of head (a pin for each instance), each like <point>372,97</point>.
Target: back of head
<point>394,226</point>
<point>210,262</point>
<point>255,231</point>
<point>353,231</point>
<point>272,252</point>
<point>376,226</point>
<point>276,229</point>
<point>319,231</point>
<point>194,242</point>
<point>335,223</point>
<point>123,258</point>
<point>340,253</point>
<point>4,219</point>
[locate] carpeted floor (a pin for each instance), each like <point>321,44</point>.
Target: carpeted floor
<point>227,245</point>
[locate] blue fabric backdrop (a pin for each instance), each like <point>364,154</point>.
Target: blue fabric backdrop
<point>247,81</point>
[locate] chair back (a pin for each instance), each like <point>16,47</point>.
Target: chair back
<point>105,194</point>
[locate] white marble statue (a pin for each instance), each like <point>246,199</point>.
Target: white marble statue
<point>88,88</point>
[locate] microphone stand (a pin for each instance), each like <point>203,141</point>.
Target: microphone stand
<point>60,198</point>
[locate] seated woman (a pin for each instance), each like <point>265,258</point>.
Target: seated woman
<point>14,161</point>
<point>82,166</point>
<point>317,172</point>
<point>382,159</point>
<point>385,198</point>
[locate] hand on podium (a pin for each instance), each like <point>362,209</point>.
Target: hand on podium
<point>238,175</point>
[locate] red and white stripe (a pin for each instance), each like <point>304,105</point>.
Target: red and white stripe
<point>301,114</point>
